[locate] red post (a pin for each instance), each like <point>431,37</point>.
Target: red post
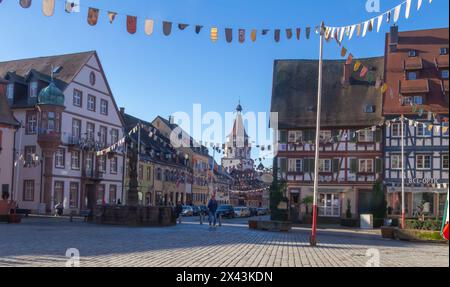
<point>403,220</point>
<point>313,239</point>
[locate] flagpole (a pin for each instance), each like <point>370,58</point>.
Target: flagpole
<point>313,239</point>
<point>403,225</point>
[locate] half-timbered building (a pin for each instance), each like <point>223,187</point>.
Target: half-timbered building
<point>350,148</point>
<point>416,69</point>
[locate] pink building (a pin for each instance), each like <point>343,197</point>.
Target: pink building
<point>8,127</point>
<point>68,112</point>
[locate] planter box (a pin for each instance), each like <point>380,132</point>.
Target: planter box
<point>14,219</point>
<point>389,232</point>
<point>420,235</point>
<point>280,226</point>
<point>253,224</point>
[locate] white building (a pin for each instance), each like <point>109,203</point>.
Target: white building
<point>64,124</point>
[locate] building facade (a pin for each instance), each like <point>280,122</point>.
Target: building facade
<point>416,68</point>
<point>163,172</point>
<point>68,112</point>
<point>8,128</point>
<point>197,158</point>
<point>350,141</point>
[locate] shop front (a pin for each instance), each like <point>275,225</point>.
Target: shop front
<point>419,201</point>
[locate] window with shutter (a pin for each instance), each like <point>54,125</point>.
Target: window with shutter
<point>353,136</point>
<point>379,165</point>
<point>353,165</point>
<point>336,165</point>
<point>283,137</point>
<point>378,135</point>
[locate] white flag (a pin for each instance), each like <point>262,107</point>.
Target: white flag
<point>408,8</point>
<point>380,20</point>
<point>397,12</point>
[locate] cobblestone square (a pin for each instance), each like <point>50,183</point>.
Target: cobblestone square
<point>43,242</point>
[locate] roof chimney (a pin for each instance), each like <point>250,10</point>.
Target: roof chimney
<point>348,69</point>
<point>393,43</point>
<point>122,110</point>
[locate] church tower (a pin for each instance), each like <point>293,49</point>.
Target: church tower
<point>238,147</point>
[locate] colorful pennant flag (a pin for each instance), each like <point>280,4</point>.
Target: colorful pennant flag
<point>241,36</point>
<point>229,35</point>
<point>48,7</point>
<point>93,16</point>
<point>167,28</point>
<point>25,3</point>
<point>149,26</point>
<point>214,34</point>
<point>131,24</point>
<point>111,16</point>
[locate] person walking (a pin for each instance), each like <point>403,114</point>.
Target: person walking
<point>178,211</point>
<point>212,208</point>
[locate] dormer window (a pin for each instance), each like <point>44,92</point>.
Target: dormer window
<point>10,91</point>
<point>443,51</point>
<point>33,89</point>
<point>412,53</point>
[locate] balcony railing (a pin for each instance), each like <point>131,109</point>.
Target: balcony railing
<point>92,174</point>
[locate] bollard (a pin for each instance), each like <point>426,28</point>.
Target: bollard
<point>201,218</point>
<point>220,220</point>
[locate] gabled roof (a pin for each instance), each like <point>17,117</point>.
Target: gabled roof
<point>195,146</point>
<point>71,63</point>
<point>294,95</point>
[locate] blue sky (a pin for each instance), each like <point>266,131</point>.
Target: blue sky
<point>159,75</point>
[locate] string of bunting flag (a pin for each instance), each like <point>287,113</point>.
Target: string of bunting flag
<point>149,24</point>
<point>361,29</point>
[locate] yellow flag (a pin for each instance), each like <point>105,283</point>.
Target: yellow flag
<point>214,34</point>
<point>357,66</point>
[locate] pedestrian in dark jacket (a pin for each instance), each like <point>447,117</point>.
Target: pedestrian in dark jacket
<point>179,211</point>
<point>212,208</point>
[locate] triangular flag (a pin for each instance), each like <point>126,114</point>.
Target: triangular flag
<point>358,30</point>
<point>349,59</point>
<point>289,34</point>
<point>182,26</point>
<point>131,24</point>
<point>308,32</point>
<point>408,8</point>
<point>93,16</point>
<point>341,37</point>
<point>388,17</point>
<point>380,21</point>
<point>198,29</point>
<point>148,26</point>
<point>48,7</point>
<point>277,35</point>
<point>397,13</point>
<point>343,52</point>
<point>357,65</point>
<point>265,32</point>
<point>68,7</point>
<point>298,32</point>
<point>352,31</point>
<point>419,4</point>
<point>364,71</point>
<point>111,16</point>
<point>366,26</point>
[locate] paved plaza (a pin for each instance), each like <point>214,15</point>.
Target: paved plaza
<point>44,241</point>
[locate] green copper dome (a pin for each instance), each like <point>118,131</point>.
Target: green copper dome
<point>51,95</point>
